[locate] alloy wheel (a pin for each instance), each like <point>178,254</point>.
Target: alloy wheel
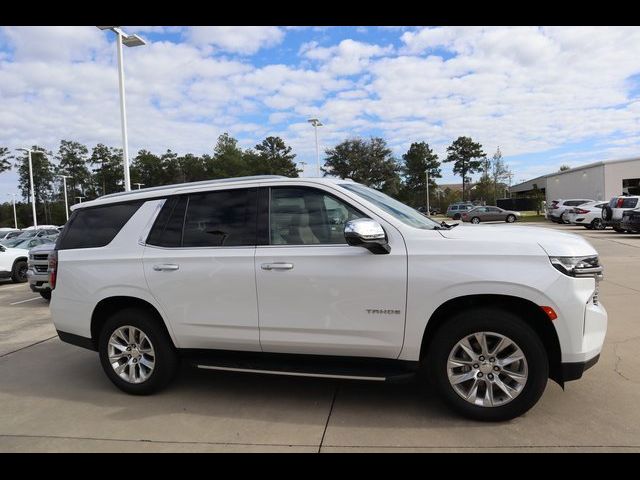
<point>131,354</point>
<point>487,369</point>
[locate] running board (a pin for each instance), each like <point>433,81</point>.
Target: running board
<point>293,374</point>
<point>316,366</point>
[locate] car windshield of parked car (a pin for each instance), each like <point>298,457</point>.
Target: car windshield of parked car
<point>25,243</point>
<point>398,210</point>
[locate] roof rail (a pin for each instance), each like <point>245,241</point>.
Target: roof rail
<point>194,184</point>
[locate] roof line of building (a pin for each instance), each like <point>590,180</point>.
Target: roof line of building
<point>582,167</point>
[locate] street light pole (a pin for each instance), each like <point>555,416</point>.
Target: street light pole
<point>66,204</point>
<point>33,195</point>
<point>428,209</point>
<point>129,41</point>
<point>139,185</point>
<point>15,217</point>
<point>316,123</point>
<point>304,164</point>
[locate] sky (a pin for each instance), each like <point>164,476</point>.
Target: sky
<point>546,96</point>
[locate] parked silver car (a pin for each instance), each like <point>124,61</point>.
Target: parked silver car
<point>489,214</point>
<point>38,269</point>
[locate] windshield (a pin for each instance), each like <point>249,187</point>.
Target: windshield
<point>398,210</point>
<point>25,243</point>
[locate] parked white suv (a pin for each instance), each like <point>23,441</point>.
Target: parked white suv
<point>612,213</point>
<point>13,263</point>
<point>252,275</point>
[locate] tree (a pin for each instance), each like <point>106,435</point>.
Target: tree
<point>72,158</point>
<point>274,157</point>
<point>368,162</point>
<point>228,159</point>
<point>466,156</point>
<point>147,168</point>
<point>109,176</point>
<point>499,172</point>
<point>417,161</point>
<point>564,168</point>
<point>5,164</point>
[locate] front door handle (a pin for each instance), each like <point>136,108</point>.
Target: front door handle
<point>166,267</point>
<point>276,266</point>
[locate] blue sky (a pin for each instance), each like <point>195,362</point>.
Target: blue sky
<point>545,95</point>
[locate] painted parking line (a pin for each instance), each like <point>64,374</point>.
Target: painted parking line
<point>23,301</point>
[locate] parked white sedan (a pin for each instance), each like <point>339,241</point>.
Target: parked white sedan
<point>589,215</point>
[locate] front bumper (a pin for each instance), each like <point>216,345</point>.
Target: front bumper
<point>37,281</point>
<point>574,371</point>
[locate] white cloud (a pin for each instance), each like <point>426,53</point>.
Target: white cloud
<point>526,89</point>
<point>243,40</point>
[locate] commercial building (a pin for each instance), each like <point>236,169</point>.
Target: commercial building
<point>598,181</point>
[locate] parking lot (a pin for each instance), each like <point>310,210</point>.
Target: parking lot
<point>55,396</point>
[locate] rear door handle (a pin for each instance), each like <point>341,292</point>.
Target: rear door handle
<point>276,266</point>
<point>166,267</point>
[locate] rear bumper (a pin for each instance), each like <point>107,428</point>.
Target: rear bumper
<point>574,371</point>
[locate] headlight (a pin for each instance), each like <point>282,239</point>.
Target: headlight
<point>578,266</point>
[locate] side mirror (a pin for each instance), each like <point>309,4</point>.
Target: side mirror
<point>2,248</point>
<point>367,233</point>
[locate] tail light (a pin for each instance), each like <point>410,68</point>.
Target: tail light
<point>581,211</point>
<point>53,268</point>
<point>620,202</point>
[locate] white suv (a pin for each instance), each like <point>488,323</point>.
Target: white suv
<point>253,275</point>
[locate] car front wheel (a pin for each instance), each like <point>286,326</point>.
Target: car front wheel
<point>488,364</point>
<point>19,271</point>
<point>136,353</point>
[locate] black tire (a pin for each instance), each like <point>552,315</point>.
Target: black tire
<point>563,218</point>
<point>456,216</point>
<point>46,294</point>
<point>598,224</point>
<point>166,357</point>
<point>489,320</point>
<point>510,218</point>
<point>19,271</point>
<point>475,220</point>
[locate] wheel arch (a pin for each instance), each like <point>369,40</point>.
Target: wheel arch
<point>531,313</point>
<point>110,305</point>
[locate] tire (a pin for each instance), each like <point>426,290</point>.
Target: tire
<point>165,358</point>
<point>475,220</point>
<point>598,224</point>
<point>46,294</point>
<point>19,271</point>
<point>456,216</point>
<point>511,218</point>
<point>497,322</point>
<point>563,218</point>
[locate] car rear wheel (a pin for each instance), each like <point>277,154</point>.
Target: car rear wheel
<point>456,216</point>
<point>511,218</point>
<point>563,218</point>
<point>597,224</point>
<point>19,271</point>
<point>136,353</point>
<point>46,294</point>
<point>488,364</point>
<point>475,220</point>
